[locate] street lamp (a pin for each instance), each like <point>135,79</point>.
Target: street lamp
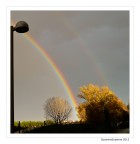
<point>21,27</point>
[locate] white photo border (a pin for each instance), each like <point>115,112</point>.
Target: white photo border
<point>131,68</point>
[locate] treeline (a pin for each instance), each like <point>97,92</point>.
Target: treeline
<point>28,124</point>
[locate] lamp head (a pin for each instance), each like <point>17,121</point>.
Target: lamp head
<point>21,27</point>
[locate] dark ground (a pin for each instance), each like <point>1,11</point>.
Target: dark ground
<point>73,129</point>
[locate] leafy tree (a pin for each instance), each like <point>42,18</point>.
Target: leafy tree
<point>101,106</point>
<point>58,109</point>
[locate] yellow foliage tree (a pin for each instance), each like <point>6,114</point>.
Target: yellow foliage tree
<point>101,105</point>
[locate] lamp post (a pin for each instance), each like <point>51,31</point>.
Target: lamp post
<point>21,27</point>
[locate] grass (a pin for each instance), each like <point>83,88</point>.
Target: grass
<point>68,128</point>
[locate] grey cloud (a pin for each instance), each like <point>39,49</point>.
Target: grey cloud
<point>87,46</point>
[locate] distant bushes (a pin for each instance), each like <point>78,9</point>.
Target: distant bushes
<point>28,124</point>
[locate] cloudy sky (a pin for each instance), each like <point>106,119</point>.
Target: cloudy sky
<point>87,47</point>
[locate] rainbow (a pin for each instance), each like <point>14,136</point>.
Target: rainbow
<point>84,48</point>
<point>56,70</point>
<point>92,59</point>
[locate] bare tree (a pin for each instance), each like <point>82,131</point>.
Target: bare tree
<point>58,109</point>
